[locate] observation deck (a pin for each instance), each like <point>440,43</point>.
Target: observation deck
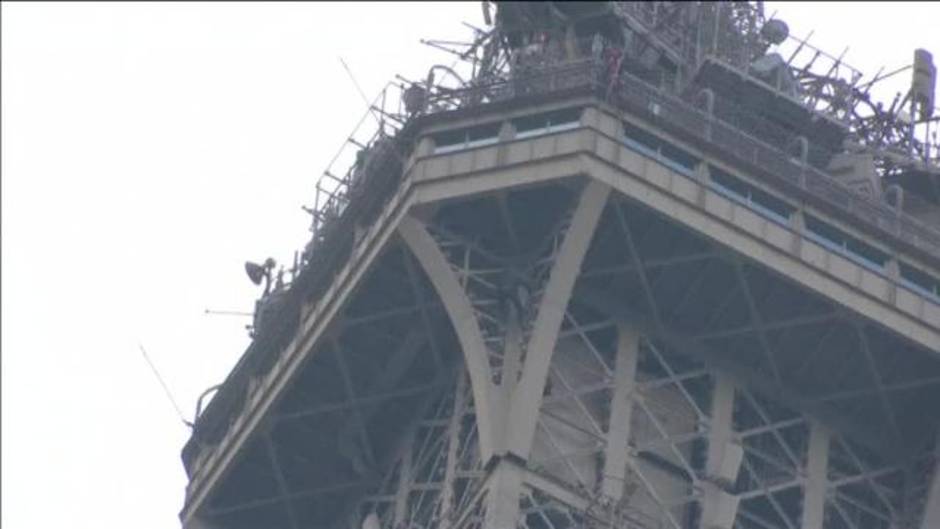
<point>735,264</point>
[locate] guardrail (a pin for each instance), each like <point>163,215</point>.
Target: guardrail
<point>638,97</point>
<point>658,107</point>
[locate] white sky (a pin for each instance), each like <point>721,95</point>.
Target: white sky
<point>150,149</point>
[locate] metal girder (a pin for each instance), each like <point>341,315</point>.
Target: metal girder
<point>351,405</point>
<point>766,326</point>
<point>718,508</point>
<point>817,466</point>
<point>392,372</point>
<point>463,318</point>
<point>621,407</point>
<point>295,495</point>
<point>879,383</point>
<point>680,341</point>
<point>649,264</point>
<point>504,489</point>
<point>358,422</point>
<point>842,449</point>
<point>756,319</point>
<point>453,433</point>
<point>792,458</point>
<point>638,267</point>
<point>885,388</point>
<point>283,489</point>
<point>528,395</point>
<point>349,323</point>
<point>419,480</point>
<point>424,306</point>
<point>404,480</point>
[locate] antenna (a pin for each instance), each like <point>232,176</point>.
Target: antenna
<point>165,388</point>
<point>211,312</point>
<point>361,93</point>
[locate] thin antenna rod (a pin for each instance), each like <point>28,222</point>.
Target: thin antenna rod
<point>227,313</point>
<point>359,89</point>
<point>164,386</point>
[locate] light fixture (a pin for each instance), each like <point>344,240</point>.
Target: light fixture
<point>256,272</point>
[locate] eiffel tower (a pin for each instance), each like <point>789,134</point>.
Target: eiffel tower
<point>645,265</point>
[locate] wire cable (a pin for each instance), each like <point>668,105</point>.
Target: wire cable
<point>164,386</point>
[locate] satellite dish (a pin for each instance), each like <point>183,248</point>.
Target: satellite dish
<point>255,272</point>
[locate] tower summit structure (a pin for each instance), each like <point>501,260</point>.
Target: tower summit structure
<point>646,265</point>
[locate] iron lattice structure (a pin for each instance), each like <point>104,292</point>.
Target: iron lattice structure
<point>620,266</point>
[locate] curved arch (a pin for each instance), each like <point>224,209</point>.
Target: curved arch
<point>462,317</point>
<point>527,397</point>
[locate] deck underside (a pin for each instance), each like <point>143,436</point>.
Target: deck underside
<point>625,333</point>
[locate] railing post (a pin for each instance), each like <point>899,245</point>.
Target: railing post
<point>893,271</point>
<point>798,225</point>
<point>803,145</point>
<point>804,149</point>
<point>709,96</point>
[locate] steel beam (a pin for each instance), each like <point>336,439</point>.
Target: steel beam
<point>404,481</point>
<point>621,408</point>
<point>879,383</point>
<point>282,487</point>
<point>463,318</point>
<point>817,475</point>
<point>756,320</point>
<point>719,509</point>
<point>527,398</point>
<point>504,490</point>
<point>682,343</point>
<point>295,495</point>
<point>453,442</point>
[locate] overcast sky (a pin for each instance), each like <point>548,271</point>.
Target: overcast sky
<point>149,149</point>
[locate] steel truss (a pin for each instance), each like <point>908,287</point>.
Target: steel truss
<point>624,426</point>
<point>438,480</point>
<point>690,442</point>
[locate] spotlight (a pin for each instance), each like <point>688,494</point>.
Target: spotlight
<point>255,272</point>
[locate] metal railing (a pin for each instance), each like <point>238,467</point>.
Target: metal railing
<point>658,107</point>
<point>640,98</point>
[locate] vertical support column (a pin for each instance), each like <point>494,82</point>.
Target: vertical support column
<point>817,476</point>
<point>719,509</point>
<point>504,492</point>
<point>621,410</point>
